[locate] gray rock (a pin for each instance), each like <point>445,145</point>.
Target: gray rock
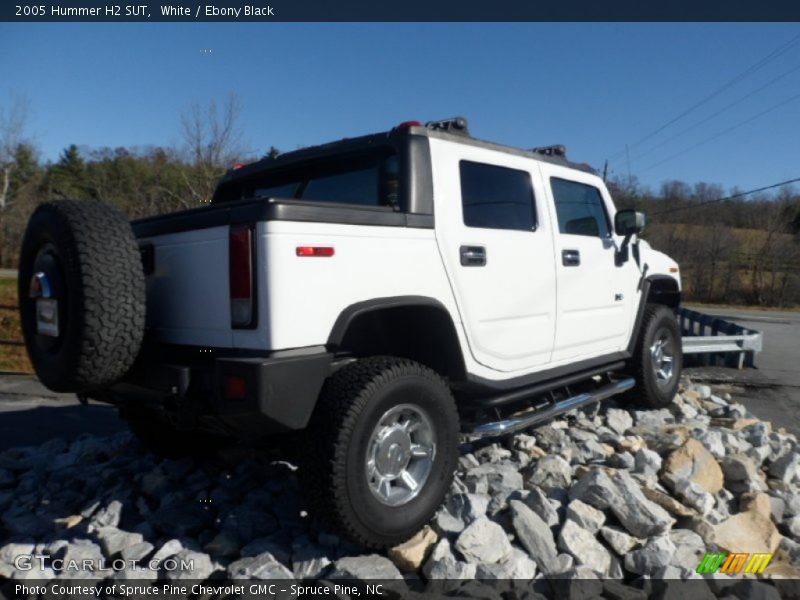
<point>11,550</point>
<point>136,552</point>
<point>549,472</point>
<point>447,524</point>
<point>81,550</point>
<point>261,545</point>
<point>741,474</point>
<point>167,550</point>
<point>493,453</point>
<point>646,462</point>
<point>620,541</point>
<point>190,566</point>
<point>694,495</point>
<point>793,525</point>
<point>368,567</point>
<point>536,500</point>
<point>619,420</point>
<point>653,418</point>
<point>310,562</point>
<point>652,556</point>
<point>114,540</point>
<point>484,541</point>
<point>584,547</point>
<point>468,507</point>
<point>501,478</point>
<point>585,516</point>
<point>261,566</point>
<point>534,535</point>
<point>712,441</point>
<point>785,467</point>
<point>443,565</point>
<point>620,494</point>
<point>518,566</point>
<point>589,451</point>
<point>108,516</point>
<point>621,460</point>
<point>689,547</point>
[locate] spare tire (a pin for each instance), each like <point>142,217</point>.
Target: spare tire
<point>81,295</point>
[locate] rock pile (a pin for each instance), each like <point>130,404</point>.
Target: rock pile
<point>616,497</point>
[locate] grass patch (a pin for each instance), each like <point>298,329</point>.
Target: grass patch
<point>12,358</point>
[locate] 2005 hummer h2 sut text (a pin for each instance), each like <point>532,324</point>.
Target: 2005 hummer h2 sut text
<point>384,294</point>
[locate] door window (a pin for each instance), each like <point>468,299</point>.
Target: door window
<point>496,197</point>
<point>580,208</point>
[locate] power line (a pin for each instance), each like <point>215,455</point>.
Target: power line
<point>750,70</point>
<point>731,197</point>
<point>723,132</point>
<point>717,113</point>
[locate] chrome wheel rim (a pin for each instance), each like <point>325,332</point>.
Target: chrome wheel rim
<point>662,354</point>
<point>400,454</point>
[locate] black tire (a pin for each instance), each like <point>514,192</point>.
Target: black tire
<point>91,261</point>
<point>334,461</point>
<point>157,434</point>
<point>653,391</point>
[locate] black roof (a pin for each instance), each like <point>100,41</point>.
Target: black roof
<point>387,137</point>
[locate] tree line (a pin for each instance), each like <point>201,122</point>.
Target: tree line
<point>740,251</point>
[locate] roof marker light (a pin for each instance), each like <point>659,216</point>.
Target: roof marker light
<point>324,251</point>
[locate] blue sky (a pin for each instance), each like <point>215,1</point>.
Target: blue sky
<point>593,87</point>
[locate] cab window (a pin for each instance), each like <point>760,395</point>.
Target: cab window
<point>580,208</point>
<point>496,197</point>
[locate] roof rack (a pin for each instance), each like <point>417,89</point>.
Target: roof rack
<point>452,125</point>
<point>555,150</point>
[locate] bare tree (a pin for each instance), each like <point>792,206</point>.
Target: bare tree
<point>213,144</point>
<point>12,127</point>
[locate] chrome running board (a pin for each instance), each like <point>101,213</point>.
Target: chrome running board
<point>534,417</point>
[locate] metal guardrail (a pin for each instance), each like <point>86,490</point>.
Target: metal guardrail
<point>718,342</point>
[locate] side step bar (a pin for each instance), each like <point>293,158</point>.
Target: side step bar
<point>527,419</point>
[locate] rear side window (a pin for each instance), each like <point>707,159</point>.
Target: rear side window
<point>580,208</point>
<point>367,180</point>
<point>496,197</point>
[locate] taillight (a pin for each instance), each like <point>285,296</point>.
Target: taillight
<point>240,269</point>
<point>235,387</point>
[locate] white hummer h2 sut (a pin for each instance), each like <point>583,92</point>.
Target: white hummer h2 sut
<point>384,294</point>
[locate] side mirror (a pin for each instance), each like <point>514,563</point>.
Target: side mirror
<point>628,222</point>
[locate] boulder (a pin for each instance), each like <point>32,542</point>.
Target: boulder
<point>584,547</point>
<point>484,541</point>
<point>534,535</point>
<point>585,516</point>
<point>694,463</point>
<point>410,555</point>
<point>549,472</point>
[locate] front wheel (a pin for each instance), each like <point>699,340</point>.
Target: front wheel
<point>381,449</point>
<point>657,359</point>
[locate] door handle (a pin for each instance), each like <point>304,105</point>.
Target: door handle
<point>570,258</point>
<point>473,256</point>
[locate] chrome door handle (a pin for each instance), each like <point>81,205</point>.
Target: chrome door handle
<point>473,256</point>
<point>570,258</point>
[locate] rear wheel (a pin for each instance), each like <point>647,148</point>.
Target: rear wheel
<point>381,449</point>
<point>657,359</point>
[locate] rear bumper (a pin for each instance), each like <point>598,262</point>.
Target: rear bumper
<point>276,392</point>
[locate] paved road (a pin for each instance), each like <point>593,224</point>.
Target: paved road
<point>772,390</point>
<point>31,414</point>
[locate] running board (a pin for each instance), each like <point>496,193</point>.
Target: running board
<point>523,421</point>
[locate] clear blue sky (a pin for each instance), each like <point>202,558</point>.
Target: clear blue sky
<point>593,87</point>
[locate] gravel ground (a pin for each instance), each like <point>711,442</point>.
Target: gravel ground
<point>616,500</point>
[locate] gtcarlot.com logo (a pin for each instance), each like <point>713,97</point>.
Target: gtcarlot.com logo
<point>28,562</point>
<point>733,564</point>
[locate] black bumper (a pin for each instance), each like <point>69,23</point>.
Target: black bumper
<point>272,393</point>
